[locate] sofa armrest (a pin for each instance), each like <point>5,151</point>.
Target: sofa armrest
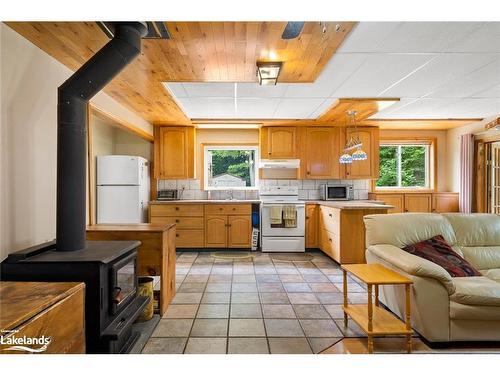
<point>413,265</point>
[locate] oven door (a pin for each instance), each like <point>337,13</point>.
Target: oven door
<point>123,282</point>
<point>269,229</point>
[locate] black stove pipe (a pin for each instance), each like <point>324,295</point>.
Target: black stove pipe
<point>73,97</point>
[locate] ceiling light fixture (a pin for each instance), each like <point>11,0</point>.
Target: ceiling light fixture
<point>353,143</point>
<point>268,72</point>
<point>227,126</point>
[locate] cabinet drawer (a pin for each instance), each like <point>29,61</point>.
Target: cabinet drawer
<point>182,222</point>
<point>330,244</point>
<point>176,209</point>
<point>190,238</point>
<point>330,219</point>
<point>228,209</point>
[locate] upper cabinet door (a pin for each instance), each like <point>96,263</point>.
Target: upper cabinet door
<point>322,153</point>
<point>279,142</point>
<point>174,152</point>
<point>369,168</point>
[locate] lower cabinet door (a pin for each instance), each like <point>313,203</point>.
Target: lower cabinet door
<point>418,202</point>
<point>239,231</point>
<point>216,231</point>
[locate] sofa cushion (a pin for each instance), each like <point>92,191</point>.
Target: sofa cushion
<point>437,250</point>
<point>493,274</point>
<point>482,257</point>
<point>460,311</point>
<point>475,229</point>
<point>477,290</point>
<point>401,230</point>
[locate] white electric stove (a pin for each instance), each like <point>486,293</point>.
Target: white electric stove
<point>278,237</point>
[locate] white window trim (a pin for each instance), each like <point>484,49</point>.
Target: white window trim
<point>207,148</point>
<point>427,168</point>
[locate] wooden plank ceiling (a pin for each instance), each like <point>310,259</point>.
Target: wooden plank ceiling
<point>196,52</point>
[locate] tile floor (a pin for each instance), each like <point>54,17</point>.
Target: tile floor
<point>255,305</point>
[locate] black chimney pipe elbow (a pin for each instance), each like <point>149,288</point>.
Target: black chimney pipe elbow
<point>73,97</point>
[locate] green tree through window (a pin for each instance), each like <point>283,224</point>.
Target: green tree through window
<point>404,166</point>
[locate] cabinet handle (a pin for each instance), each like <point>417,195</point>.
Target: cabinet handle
<point>307,217</point>
<point>330,215</point>
<point>269,153</point>
<point>176,220</point>
<point>308,172</point>
<point>329,239</point>
<point>177,235</point>
<point>406,210</point>
<point>177,208</point>
<point>234,208</point>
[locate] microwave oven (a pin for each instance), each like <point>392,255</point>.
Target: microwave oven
<point>331,192</point>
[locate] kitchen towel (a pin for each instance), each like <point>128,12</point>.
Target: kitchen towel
<point>276,215</point>
<point>290,216</point>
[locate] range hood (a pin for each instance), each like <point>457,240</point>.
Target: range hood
<point>280,164</point>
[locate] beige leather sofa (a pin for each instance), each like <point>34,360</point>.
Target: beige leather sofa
<point>443,308</point>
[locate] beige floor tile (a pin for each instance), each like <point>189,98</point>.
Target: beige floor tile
<point>220,278</point>
<point>302,298</point>
<point>192,287</point>
<point>165,345</point>
<point>245,310</point>
<point>247,345</point>
<point>358,298</point>
<point>217,311</point>
<point>206,345</point>
<point>283,328</point>
<point>335,311</point>
<point>196,278</point>
<point>287,271</point>
<point>352,330</point>
<point>244,297</point>
<point>316,278</point>
<point>311,312</point>
<point>222,270</point>
<point>278,312</point>
<point>173,328</point>
<point>265,271</point>
<point>209,328</point>
<point>218,287</point>
<point>270,287</point>
<point>324,287</point>
<point>267,278</point>
<point>297,287</point>
<point>244,287</point>
<point>320,328</point>
<point>381,345</point>
<point>244,278</point>
<point>291,278</point>
<point>330,298</point>
<point>318,344</point>
<point>212,298</point>
<point>289,345</point>
<point>246,328</point>
<point>274,298</point>
<point>181,311</point>
<point>187,298</point>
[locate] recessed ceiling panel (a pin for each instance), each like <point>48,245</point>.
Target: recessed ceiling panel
<point>297,108</point>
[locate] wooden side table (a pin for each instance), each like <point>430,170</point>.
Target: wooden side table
<point>373,319</point>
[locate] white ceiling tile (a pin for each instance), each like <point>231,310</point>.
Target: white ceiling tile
<point>322,108</point>
<point>484,37</point>
<point>296,108</point>
<point>209,89</point>
<point>493,92</point>
<point>176,89</point>
<point>254,90</point>
<point>368,36</point>
<point>208,107</point>
<point>441,70</point>
<point>378,73</point>
<point>256,108</point>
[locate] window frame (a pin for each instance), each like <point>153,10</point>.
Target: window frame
<point>431,162</point>
<point>230,146</point>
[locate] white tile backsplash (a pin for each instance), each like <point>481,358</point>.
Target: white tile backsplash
<point>308,189</point>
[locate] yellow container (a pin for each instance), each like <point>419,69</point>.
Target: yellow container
<point>145,288</point>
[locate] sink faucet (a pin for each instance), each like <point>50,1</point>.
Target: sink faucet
<point>230,193</point>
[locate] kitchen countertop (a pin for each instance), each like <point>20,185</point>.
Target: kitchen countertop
<point>141,227</point>
<point>207,201</point>
<point>349,205</point>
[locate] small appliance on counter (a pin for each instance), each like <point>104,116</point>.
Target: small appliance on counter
<point>168,195</point>
<point>336,192</point>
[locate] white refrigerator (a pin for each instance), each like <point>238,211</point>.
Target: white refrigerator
<point>122,189</point>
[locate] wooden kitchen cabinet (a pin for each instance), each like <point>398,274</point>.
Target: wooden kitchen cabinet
<point>445,202</point>
<point>278,142</point>
<point>174,152</point>
<point>312,226</point>
<point>418,202</point>
<point>216,231</point>
<point>321,153</point>
<point>396,200</point>
<point>369,168</point>
<point>239,231</point>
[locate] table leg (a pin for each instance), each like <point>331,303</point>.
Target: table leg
<point>344,274</point>
<point>370,319</point>
<point>408,317</point>
<point>376,295</point>
<point>370,344</point>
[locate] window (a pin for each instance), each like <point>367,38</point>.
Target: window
<point>404,166</point>
<point>230,167</point>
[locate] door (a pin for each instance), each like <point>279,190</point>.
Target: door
<point>369,168</point>
<point>281,142</point>
<point>173,152</point>
<point>418,202</point>
<point>119,170</point>
<point>216,231</point>
<point>322,152</point>
<point>239,231</point>
<point>445,202</point>
<point>119,205</point>
<point>396,200</point>
<point>311,226</point>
